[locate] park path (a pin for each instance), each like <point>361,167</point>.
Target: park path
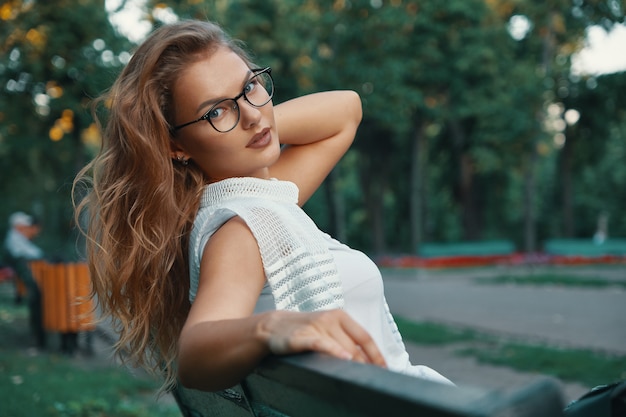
<point>575,317</point>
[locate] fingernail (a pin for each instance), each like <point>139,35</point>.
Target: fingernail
<point>346,355</point>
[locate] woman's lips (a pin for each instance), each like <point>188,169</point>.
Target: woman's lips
<point>261,139</point>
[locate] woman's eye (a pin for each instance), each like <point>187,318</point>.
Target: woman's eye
<point>250,86</point>
<point>216,112</point>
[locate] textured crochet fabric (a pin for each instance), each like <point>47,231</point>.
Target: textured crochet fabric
<point>299,268</point>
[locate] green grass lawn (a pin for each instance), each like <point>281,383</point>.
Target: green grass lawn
<point>52,385</point>
<point>49,384</point>
<point>575,365</point>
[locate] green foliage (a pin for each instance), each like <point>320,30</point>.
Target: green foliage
<point>54,57</point>
<point>598,172</point>
<point>457,140</point>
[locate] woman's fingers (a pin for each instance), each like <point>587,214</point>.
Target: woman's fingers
<point>329,346</point>
<point>368,350</point>
<point>332,332</point>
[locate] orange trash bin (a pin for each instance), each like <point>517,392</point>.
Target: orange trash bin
<point>65,290</point>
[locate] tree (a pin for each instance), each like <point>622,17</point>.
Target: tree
<point>463,104</point>
<point>552,31</point>
<point>593,154</point>
<point>53,60</point>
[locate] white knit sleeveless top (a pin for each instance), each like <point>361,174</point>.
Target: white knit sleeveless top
<point>298,265</point>
<point>300,268</point>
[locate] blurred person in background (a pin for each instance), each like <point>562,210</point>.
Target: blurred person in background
<point>23,228</point>
<point>19,250</point>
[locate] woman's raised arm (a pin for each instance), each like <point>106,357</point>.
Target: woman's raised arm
<point>317,130</point>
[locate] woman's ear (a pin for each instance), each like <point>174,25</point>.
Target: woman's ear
<point>177,153</point>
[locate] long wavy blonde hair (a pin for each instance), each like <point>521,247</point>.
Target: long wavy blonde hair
<point>136,206</point>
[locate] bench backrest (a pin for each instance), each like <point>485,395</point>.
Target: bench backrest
<point>316,385</point>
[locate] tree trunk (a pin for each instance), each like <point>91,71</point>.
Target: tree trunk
<point>378,222</point>
<point>471,224</point>
<point>547,55</point>
<point>417,184</point>
<point>530,237</point>
<point>373,179</point>
<point>466,182</point>
<point>336,207</point>
<point>566,181</point>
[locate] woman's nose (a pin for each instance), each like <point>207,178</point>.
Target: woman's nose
<point>250,115</point>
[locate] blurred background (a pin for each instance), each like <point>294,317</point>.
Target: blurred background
<point>493,121</point>
<point>483,119</point>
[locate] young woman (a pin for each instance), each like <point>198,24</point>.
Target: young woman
<point>197,245</point>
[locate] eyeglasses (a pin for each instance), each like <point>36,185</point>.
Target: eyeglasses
<point>224,115</point>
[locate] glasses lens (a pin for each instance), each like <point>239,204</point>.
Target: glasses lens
<point>224,115</point>
<point>260,89</point>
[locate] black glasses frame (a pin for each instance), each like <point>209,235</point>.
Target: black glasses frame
<point>205,116</point>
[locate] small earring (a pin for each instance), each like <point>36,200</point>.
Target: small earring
<point>182,160</point>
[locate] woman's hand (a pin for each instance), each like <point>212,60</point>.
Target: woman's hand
<point>332,332</point>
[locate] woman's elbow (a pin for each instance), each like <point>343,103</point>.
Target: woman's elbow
<point>355,106</point>
<point>194,376</point>
<point>202,369</point>
<point>187,375</point>
<point>191,370</point>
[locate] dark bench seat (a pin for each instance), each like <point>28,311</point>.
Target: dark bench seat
<point>314,385</point>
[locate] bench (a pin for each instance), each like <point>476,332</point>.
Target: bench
<point>465,254</point>
<point>314,385</point>
<point>468,248</point>
<point>585,247</point>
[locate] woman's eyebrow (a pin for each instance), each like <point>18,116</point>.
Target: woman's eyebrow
<point>218,99</point>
